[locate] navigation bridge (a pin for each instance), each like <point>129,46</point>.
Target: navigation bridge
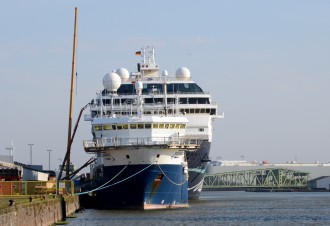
<point>259,179</point>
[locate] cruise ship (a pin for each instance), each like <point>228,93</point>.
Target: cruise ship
<point>141,160</point>
<point>160,97</point>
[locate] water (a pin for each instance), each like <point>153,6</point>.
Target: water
<point>225,208</point>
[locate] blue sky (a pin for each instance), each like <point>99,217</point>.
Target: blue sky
<point>266,63</point>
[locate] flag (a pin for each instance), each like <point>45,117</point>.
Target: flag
<point>138,53</point>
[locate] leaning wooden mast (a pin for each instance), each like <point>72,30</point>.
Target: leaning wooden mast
<point>71,93</point>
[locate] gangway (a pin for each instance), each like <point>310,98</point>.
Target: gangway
<point>270,178</point>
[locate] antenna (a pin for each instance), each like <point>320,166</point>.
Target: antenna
<point>30,153</point>
<point>11,149</point>
<point>76,83</point>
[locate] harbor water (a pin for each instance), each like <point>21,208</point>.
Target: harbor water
<point>224,208</point>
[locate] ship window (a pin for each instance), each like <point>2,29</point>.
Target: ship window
<point>166,126</point>
<point>106,101</point>
<point>119,126</point>
<point>148,113</point>
<point>177,126</point>
<point>202,110</point>
<point>127,156</point>
<point>170,111</point>
<point>158,155</point>
<point>207,111</point>
<point>182,126</point>
<point>106,127</point>
<point>201,130</point>
<point>161,126</point>
<point>191,111</point>
<point>140,126</point>
<point>125,126</point>
<point>212,112</point>
<point>171,100</point>
<point>148,126</point>
<point>126,89</point>
<point>98,128</point>
<point>155,126</point>
<point>197,111</point>
<point>94,113</point>
<point>172,126</point>
<point>133,126</point>
<point>114,127</point>
<point>183,100</point>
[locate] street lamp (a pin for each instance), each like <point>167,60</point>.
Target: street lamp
<point>49,159</point>
<point>30,153</point>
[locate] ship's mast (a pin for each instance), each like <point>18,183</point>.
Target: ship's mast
<point>149,67</point>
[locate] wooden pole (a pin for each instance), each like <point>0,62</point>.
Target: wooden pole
<point>71,92</point>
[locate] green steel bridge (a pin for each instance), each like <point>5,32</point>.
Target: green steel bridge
<point>270,178</point>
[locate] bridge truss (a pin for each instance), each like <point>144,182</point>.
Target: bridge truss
<point>270,178</point>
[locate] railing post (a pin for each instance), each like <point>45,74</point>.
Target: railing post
<point>72,187</point>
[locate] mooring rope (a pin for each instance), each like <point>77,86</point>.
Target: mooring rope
<point>170,179</point>
<point>199,184</point>
<point>103,186</point>
<point>95,189</point>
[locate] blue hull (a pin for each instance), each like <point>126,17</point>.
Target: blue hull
<point>142,187</point>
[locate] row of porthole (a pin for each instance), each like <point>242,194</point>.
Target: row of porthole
<point>140,126</point>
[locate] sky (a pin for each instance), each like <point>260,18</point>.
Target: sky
<point>266,64</point>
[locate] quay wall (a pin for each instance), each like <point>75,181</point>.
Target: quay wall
<point>39,213</point>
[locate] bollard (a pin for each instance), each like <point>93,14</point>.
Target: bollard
<point>63,206</point>
<point>11,202</point>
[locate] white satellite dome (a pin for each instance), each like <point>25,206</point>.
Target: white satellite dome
<point>123,73</point>
<point>165,73</point>
<point>138,86</point>
<point>182,73</point>
<point>111,82</point>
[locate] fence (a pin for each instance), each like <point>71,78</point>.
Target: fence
<point>12,188</point>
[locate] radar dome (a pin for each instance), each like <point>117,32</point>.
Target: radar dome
<point>111,82</point>
<point>182,73</point>
<point>139,86</point>
<point>123,73</point>
<point>165,73</point>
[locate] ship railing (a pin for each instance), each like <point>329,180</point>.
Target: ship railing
<point>102,144</point>
<point>129,105</point>
<point>160,92</point>
<point>131,109</point>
